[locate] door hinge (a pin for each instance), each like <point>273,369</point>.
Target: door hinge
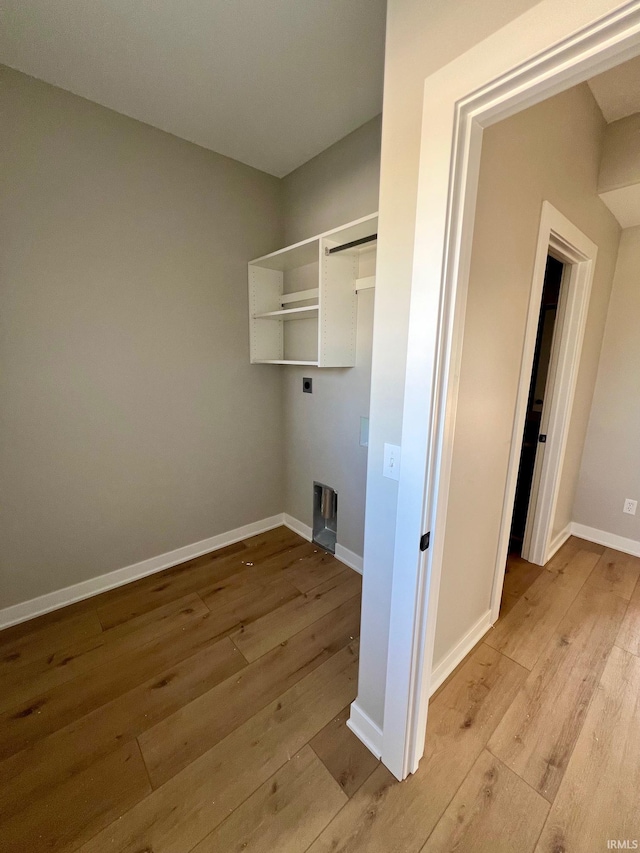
<point>542,439</point>
<point>424,541</point>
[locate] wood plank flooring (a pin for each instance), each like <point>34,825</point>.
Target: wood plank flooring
<point>204,709</point>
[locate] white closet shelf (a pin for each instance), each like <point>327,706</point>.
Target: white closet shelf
<point>300,296</point>
<point>366,283</point>
<point>314,280</point>
<point>285,361</point>
<point>289,313</point>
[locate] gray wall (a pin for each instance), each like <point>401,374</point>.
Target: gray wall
<point>610,469</point>
<point>132,422</point>
<point>321,430</point>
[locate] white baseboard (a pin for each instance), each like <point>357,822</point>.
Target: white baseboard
<point>85,589</point>
<point>60,598</point>
<point>349,558</point>
<point>557,542</point>
<point>446,666</point>
<point>365,729</point>
<point>609,540</point>
<point>297,526</point>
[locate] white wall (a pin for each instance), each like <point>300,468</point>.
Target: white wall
<point>550,151</point>
<point>610,469</point>
<point>132,422</point>
<point>619,183</point>
<point>421,37</point>
<point>620,164</point>
<point>321,430</point>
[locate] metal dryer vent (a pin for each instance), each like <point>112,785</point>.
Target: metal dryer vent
<point>325,516</point>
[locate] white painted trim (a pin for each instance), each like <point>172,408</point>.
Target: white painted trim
<point>534,545</point>
<point>548,49</point>
<point>94,586</point>
<point>572,247</point>
<point>558,541</point>
<point>459,652</point>
<point>349,558</point>
<point>609,540</point>
<point>297,526</point>
<point>85,589</point>
<point>365,729</point>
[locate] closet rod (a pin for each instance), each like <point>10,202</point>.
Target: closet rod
<point>350,245</point>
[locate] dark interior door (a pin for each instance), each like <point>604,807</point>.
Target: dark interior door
<point>537,390</point>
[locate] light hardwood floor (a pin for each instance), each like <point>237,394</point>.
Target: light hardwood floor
<point>204,709</point>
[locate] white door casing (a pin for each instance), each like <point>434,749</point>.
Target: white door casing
<point>569,245</point>
<point>550,383</point>
<point>575,249</point>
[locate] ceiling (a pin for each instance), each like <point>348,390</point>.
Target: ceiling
<point>271,83</point>
<point>618,91</point>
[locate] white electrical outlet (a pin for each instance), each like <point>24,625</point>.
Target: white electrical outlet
<point>391,466</point>
<point>630,506</point>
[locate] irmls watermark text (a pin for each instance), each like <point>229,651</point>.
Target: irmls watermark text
<point>622,844</point>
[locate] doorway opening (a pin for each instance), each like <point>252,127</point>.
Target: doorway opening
<point>532,58</point>
<point>534,437</point>
<point>559,300</point>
